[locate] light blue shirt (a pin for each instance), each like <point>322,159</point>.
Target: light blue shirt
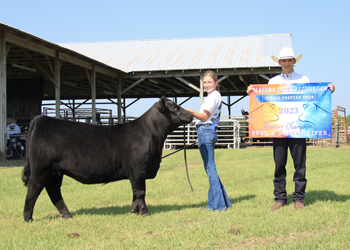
<point>291,78</point>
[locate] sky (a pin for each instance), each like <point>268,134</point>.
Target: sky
<point>319,28</point>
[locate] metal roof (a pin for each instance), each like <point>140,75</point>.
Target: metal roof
<point>186,54</point>
<point>145,68</point>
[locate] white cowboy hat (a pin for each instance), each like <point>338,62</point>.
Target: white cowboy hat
<point>286,52</point>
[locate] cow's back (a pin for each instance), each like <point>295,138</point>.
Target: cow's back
<point>86,152</point>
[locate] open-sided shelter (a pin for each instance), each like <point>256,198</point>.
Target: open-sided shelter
<point>33,69</point>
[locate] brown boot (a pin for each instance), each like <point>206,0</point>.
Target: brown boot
<point>298,205</point>
<point>277,206</point>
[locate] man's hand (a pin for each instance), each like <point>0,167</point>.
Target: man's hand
<point>331,87</point>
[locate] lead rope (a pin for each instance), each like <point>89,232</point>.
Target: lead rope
<point>188,176</point>
<point>184,148</point>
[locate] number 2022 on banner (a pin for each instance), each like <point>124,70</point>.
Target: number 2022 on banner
<point>297,110</point>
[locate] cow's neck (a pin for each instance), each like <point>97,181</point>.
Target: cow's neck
<point>156,123</point>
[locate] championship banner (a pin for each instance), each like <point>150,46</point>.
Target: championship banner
<point>297,110</point>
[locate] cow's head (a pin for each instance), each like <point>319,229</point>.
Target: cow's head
<point>173,111</point>
<point>263,114</point>
<point>315,115</point>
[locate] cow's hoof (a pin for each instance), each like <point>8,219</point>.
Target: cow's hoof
<point>135,211</point>
<point>28,220</point>
<point>66,216</point>
<point>145,214</point>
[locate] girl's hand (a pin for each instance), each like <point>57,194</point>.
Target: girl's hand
<point>249,89</point>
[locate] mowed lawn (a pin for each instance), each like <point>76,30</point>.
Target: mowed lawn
<point>102,217</point>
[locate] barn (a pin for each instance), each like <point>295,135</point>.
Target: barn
<point>33,70</point>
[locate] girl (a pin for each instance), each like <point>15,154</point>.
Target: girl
<point>208,120</point>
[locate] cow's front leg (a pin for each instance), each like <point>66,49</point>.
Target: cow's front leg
<point>139,192</point>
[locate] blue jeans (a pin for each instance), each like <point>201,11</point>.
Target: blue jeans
<point>217,196</point>
<point>14,140</point>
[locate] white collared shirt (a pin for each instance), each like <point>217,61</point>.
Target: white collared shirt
<point>291,78</point>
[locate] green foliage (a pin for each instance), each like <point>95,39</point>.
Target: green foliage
<point>102,217</point>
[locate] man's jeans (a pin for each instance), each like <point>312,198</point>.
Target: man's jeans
<point>297,147</point>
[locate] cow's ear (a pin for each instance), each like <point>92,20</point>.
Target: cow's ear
<point>162,104</point>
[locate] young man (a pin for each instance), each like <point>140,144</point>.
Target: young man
<point>297,146</point>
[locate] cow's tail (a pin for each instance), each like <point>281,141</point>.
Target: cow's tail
<point>26,169</point>
<point>26,173</point>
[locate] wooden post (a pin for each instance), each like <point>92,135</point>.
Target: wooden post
<point>58,83</point>
<point>3,96</point>
<point>119,93</point>
<point>201,93</point>
<point>229,106</point>
<point>93,93</point>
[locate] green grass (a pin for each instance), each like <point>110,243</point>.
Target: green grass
<point>102,217</point>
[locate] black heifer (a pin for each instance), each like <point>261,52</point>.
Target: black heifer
<point>97,154</point>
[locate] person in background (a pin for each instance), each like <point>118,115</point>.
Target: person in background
<point>11,129</point>
<point>208,120</point>
<point>297,146</point>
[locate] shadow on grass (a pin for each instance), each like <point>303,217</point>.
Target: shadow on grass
<point>116,210</point>
<point>110,210</point>
<point>12,163</point>
<point>321,195</point>
<point>242,198</point>
<point>126,209</point>
<point>325,195</point>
